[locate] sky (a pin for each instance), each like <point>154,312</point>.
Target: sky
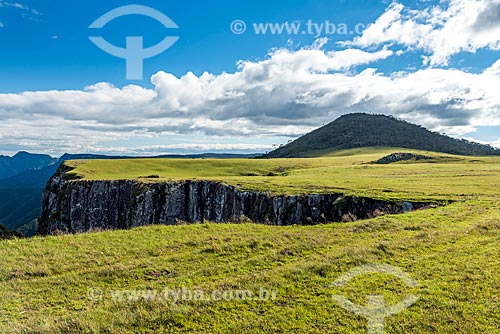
<point>241,76</point>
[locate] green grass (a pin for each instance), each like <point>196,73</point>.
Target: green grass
<point>351,172</point>
<point>451,251</point>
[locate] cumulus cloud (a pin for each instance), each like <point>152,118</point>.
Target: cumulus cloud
<point>442,31</point>
<point>285,95</point>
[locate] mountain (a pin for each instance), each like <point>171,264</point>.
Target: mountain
<point>367,130</point>
<point>30,178</point>
<point>22,178</point>
<point>23,161</point>
<point>21,193</point>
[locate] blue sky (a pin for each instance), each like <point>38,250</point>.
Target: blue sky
<point>48,63</point>
<point>52,49</point>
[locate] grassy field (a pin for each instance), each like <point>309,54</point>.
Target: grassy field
<point>351,172</point>
<point>104,282</point>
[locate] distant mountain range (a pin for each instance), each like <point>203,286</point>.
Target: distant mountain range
<point>366,130</point>
<point>24,176</point>
<point>23,161</point>
<point>22,179</point>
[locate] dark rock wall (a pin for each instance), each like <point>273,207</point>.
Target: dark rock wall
<point>396,157</point>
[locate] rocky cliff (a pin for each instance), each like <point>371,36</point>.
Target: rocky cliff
<point>397,157</point>
<point>72,206</point>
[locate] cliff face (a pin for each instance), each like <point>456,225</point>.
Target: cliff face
<point>72,206</point>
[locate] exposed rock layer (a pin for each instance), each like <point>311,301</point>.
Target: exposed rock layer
<point>396,157</point>
<point>72,206</point>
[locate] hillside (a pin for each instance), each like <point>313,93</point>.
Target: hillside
<point>365,130</point>
<point>81,283</point>
<point>21,193</point>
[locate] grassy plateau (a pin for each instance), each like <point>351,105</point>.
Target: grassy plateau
<point>115,281</point>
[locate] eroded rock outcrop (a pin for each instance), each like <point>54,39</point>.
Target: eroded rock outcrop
<point>72,206</point>
<point>396,157</point>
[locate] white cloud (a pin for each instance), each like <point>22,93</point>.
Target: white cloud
<point>493,69</point>
<point>494,143</point>
<point>288,94</point>
<point>1,25</point>
<point>442,31</point>
<point>182,149</point>
<point>19,6</point>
